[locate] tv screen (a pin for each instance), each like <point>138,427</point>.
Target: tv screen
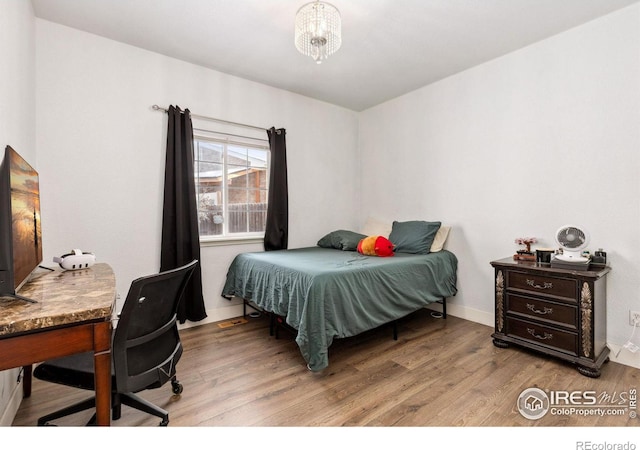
<point>20,229</point>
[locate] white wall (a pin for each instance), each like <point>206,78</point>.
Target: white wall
<point>101,151</point>
<point>520,146</point>
<point>17,78</point>
<point>17,128</point>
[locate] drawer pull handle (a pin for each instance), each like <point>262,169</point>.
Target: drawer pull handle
<point>533,284</point>
<point>542,312</point>
<point>544,337</point>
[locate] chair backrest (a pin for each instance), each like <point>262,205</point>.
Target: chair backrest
<point>146,345</point>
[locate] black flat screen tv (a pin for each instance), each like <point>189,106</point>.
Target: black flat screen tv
<point>20,229</point>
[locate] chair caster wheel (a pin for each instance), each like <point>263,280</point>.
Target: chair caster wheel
<point>164,423</point>
<point>176,387</point>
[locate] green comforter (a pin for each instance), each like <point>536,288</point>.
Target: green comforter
<point>326,293</point>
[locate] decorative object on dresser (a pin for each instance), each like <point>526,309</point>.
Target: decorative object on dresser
<point>526,254</point>
<point>558,312</point>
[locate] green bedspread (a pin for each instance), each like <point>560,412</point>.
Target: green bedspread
<point>326,293</point>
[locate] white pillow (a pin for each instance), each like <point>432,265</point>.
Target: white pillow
<point>440,239</point>
<point>374,227</point>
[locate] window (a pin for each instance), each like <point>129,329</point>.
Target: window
<point>231,187</point>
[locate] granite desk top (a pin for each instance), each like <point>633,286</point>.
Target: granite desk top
<point>63,298</point>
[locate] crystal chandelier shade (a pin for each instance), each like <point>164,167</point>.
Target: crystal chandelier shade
<point>318,30</point>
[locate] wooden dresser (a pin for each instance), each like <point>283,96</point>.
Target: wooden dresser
<point>557,312</point>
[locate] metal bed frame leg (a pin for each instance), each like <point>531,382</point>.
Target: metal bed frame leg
<point>443,302</point>
<point>443,314</point>
<point>273,329</point>
<point>246,303</point>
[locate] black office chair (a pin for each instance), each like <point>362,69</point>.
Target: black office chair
<point>145,349</point>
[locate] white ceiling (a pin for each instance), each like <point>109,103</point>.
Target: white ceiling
<point>389,47</point>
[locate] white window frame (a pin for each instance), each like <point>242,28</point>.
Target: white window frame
<point>227,238</point>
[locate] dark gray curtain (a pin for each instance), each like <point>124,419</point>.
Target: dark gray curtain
<point>276,233</point>
<point>180,239</point>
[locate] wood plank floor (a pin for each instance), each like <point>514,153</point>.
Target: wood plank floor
<point>439,373</point>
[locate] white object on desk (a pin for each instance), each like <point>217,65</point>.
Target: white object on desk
<point>76,260</point>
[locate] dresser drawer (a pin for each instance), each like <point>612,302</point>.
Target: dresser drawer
<point>541,284</point>
<point>561,314</point>
<point>565,341</point>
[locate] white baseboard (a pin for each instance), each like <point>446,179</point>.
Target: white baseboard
<point>463,312</point>
<point>625,357</point>
<point>9,414</point>
<point>216,315</point>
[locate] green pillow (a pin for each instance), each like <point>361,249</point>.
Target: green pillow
<point>341,240</point>
<point>414,236</point>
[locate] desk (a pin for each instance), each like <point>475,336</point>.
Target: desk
<point>72,315</point>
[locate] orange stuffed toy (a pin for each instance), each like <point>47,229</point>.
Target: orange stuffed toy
<point>375,246</point>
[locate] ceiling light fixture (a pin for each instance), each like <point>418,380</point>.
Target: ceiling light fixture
<point>318,30</point>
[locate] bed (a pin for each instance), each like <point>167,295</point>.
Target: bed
<point>331,291</point>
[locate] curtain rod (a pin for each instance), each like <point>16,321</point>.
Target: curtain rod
<point>231,135</point>
<point>213,119</point>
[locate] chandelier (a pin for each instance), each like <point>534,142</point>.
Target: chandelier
<point>318,30</point>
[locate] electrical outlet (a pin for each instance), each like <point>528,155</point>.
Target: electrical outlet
<point>634,318</point>
<point>631,347</point>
